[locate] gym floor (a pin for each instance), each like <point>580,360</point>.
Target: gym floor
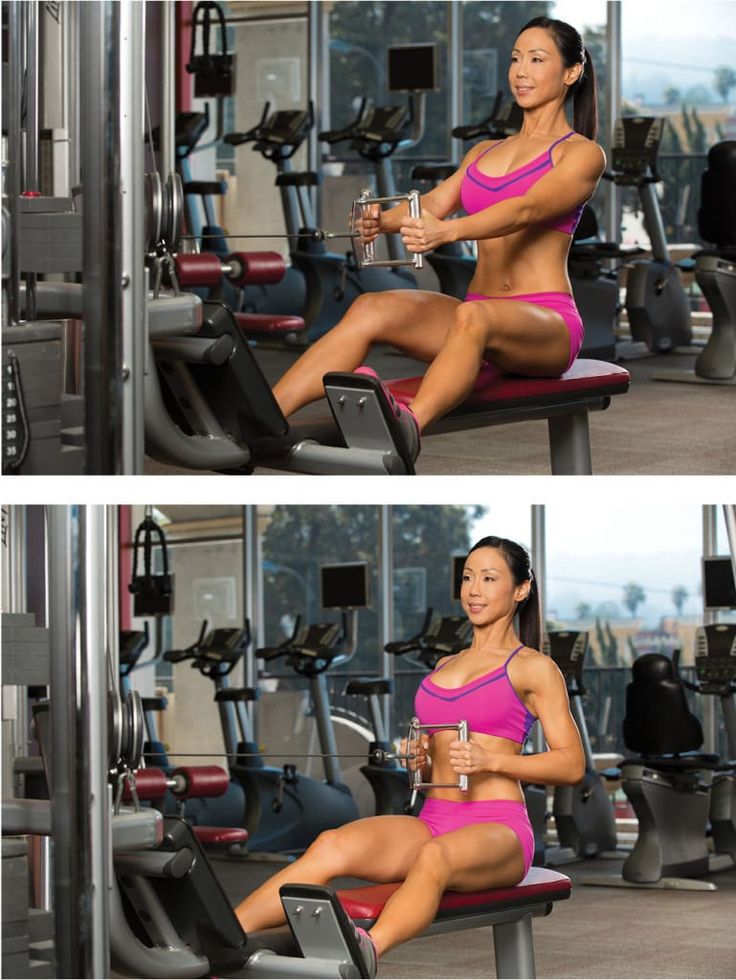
<point>597,932</point>
<point>657,428</point>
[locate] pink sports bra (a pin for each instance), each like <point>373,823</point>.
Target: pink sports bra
<point>479,191</point>
<point>489,704</point>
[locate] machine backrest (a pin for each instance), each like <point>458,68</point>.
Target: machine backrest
<point>658,720</point>
<point>717,212</point>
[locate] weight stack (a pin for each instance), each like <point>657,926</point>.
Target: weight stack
<point>42,428</point>
<point>26,651</point>
<point>27,934</point>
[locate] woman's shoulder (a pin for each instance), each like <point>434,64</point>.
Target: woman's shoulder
<point>582,149</point>
<point>533,668</point>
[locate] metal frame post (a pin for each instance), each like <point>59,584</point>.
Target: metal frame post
<point>252,600</point>
<point>710,720</point>
<point>13,176</point>
<point>102,223</point>
<point>133,353</point>
<point>612,200</point>
<point>96,562</point>
<point>167,146</point>
<point>539,567</point>
<point>455,66</point>
<point>386,577</point>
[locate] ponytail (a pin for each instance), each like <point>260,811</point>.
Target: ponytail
<point>585,100</point>
<point>528,610</point>
<point>584,92</point>
<point>530,617</point>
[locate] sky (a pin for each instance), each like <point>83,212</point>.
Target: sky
<point>595,547</point>
<point>675,18</point>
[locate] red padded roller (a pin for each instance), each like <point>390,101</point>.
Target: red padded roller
<point>540,884</point>
<point>253,324</point>
<point>150,784</point>
<point>220,836</point>
<point>198,269</point>
<point>201,781</point>
<point>256,268</point>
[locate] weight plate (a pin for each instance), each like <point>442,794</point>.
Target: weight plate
<point>136,729</point>
<point>175,195</point>
<point>114,728</point>
<point>153,209</point>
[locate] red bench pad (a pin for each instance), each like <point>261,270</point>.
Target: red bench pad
<point>540,884</point>
<point>268,323</point>
<point>210,836</point>
<point>585,377</point>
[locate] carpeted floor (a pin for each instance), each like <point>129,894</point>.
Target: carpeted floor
<point>598,932</point>
<point>657,428</point>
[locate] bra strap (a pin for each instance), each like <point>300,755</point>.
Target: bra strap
<point>561,140</point>
<point>513,654</point>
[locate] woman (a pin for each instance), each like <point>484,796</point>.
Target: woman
<point>464,841</point>
<point>524,196</point>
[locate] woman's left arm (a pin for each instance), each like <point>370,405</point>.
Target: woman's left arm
<point>564,761</point>
<point>571,181</point>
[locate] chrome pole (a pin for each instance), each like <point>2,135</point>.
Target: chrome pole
<point>132,46</point>
<point>93,687</point>
<point>386,577</point>
<point>102,230</point>
<point>710,720</point>
<point>612,201</point>
<point>539,566</point>
<point>167,145</point>
<point>13,177</point>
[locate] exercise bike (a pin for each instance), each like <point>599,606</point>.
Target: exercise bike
<point>656,303</point>
<point>284,810</point>
<point>321,285</point>
<point>675,789</point>
<point>715,270</point>
<point>584,814</point>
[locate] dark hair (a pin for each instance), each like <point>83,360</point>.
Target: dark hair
<point>517,558</point>
<point>584,91</point>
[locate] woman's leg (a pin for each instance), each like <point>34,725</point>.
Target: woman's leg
<point>479,856</point>
<point>377,848</point>
<point>415,321</point>
<point>516,336</point>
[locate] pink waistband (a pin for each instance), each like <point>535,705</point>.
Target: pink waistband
<point>525,297</point>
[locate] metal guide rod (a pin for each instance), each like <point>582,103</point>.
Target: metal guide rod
<point>30,182</point>
<point>102,232</point>
<point>13,179</point>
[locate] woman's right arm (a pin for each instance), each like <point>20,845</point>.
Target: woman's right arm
<point>441,201</point>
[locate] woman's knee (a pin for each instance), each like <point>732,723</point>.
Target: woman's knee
<point>332,849</point>
<point>433,862</point>
<point>474,324</point>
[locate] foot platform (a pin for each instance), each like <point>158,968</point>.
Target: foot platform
<point>366,421</point>
<point>323,931</point>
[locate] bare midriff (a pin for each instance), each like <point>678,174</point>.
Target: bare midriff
<point>533,260</point>
<point>482,786</point>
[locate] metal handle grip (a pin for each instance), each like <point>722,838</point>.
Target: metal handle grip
<point>365,253</point>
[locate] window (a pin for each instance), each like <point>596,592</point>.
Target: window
<point>630,576</point>
<point>677,62</point>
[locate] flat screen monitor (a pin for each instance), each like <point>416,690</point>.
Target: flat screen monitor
<point>413,68</point>
<point>344,586</point>
<point>719,589</point>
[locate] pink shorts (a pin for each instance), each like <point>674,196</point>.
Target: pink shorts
<point>442,816</point>
<point>561,303</point>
